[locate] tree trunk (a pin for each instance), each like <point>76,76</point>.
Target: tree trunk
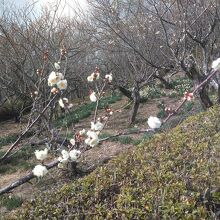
<point>192,72</point>
<point>218,95</point>
<point>17,116</point>
<point>125,92</point>
<point>204,98</point>
<point>136,103</point>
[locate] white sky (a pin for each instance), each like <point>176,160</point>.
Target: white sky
<point>66,6</point>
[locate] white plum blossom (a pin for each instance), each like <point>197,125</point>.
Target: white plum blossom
<point>92,140</point>
<point>70,106</point>
<point>62,84</point>
<point>216,64</point>
<point>74,154</point>
<point>154,122</point>
<point>94,76</point>
<point>60,165</point>
<point>65,154</point>
<point>61,103</point>
<point>41,154</point>
<point>66,100</point>
<point>93,97</point>
<point>72,141</point>
<point>188,96</point>
<point>82,132</point>
<point>65,157</point>
<point>57,66</point>
<point>64,103</point>
<point>40,171</point>
<point>54,90</point>
<point>90,78</point>
<point>54,78</point>
<point>109,77</point>
<point>98,126</point>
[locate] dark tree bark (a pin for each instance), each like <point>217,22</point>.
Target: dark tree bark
<point>204,98</point>
<point>189,66</point>
<point>218,95</point>
<point>17,117</point>
<point>125,92</point>
<point>136,102</point>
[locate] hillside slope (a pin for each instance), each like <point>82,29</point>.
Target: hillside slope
<point>174,175</point>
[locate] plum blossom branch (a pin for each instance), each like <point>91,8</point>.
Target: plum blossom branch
<point>25,179</point>
<point>191,94</point>
<point>27,129</point>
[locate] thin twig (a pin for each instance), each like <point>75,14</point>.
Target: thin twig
<point>26,130</point>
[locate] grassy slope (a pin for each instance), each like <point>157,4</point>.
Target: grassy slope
<point>168,176</point>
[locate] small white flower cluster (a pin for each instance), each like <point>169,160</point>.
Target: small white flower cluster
<point>41,154</point>
<point>66,157</point>
<point>154,122</point>
<point>57,66</point>
<point>82,132</point>
<point>109,77</point>
<point>94,76</point>
<point>98,126</point>
<point>93,97</point>
<point>64,103</point>
<point>92,139</point>
<point>72,141</point>
<point>40,170</point>
<point>216,64</point>
<point>56,80</point>
<point>188,96</point>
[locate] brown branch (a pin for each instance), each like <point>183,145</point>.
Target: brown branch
<point>24,179</point>
<point>26,130</point>
<point>193,92</point>
<point>98,99</point>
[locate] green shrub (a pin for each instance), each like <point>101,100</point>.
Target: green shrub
<point>175,175</point>
<point>150,92</point>
<point>125,140</point>
<point>136,142</point>
<point>173,95</point>
<point>11,202</point>
<point>182,85</point>
<point>8,139</point>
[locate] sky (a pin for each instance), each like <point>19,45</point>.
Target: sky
<point>66,6</point>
